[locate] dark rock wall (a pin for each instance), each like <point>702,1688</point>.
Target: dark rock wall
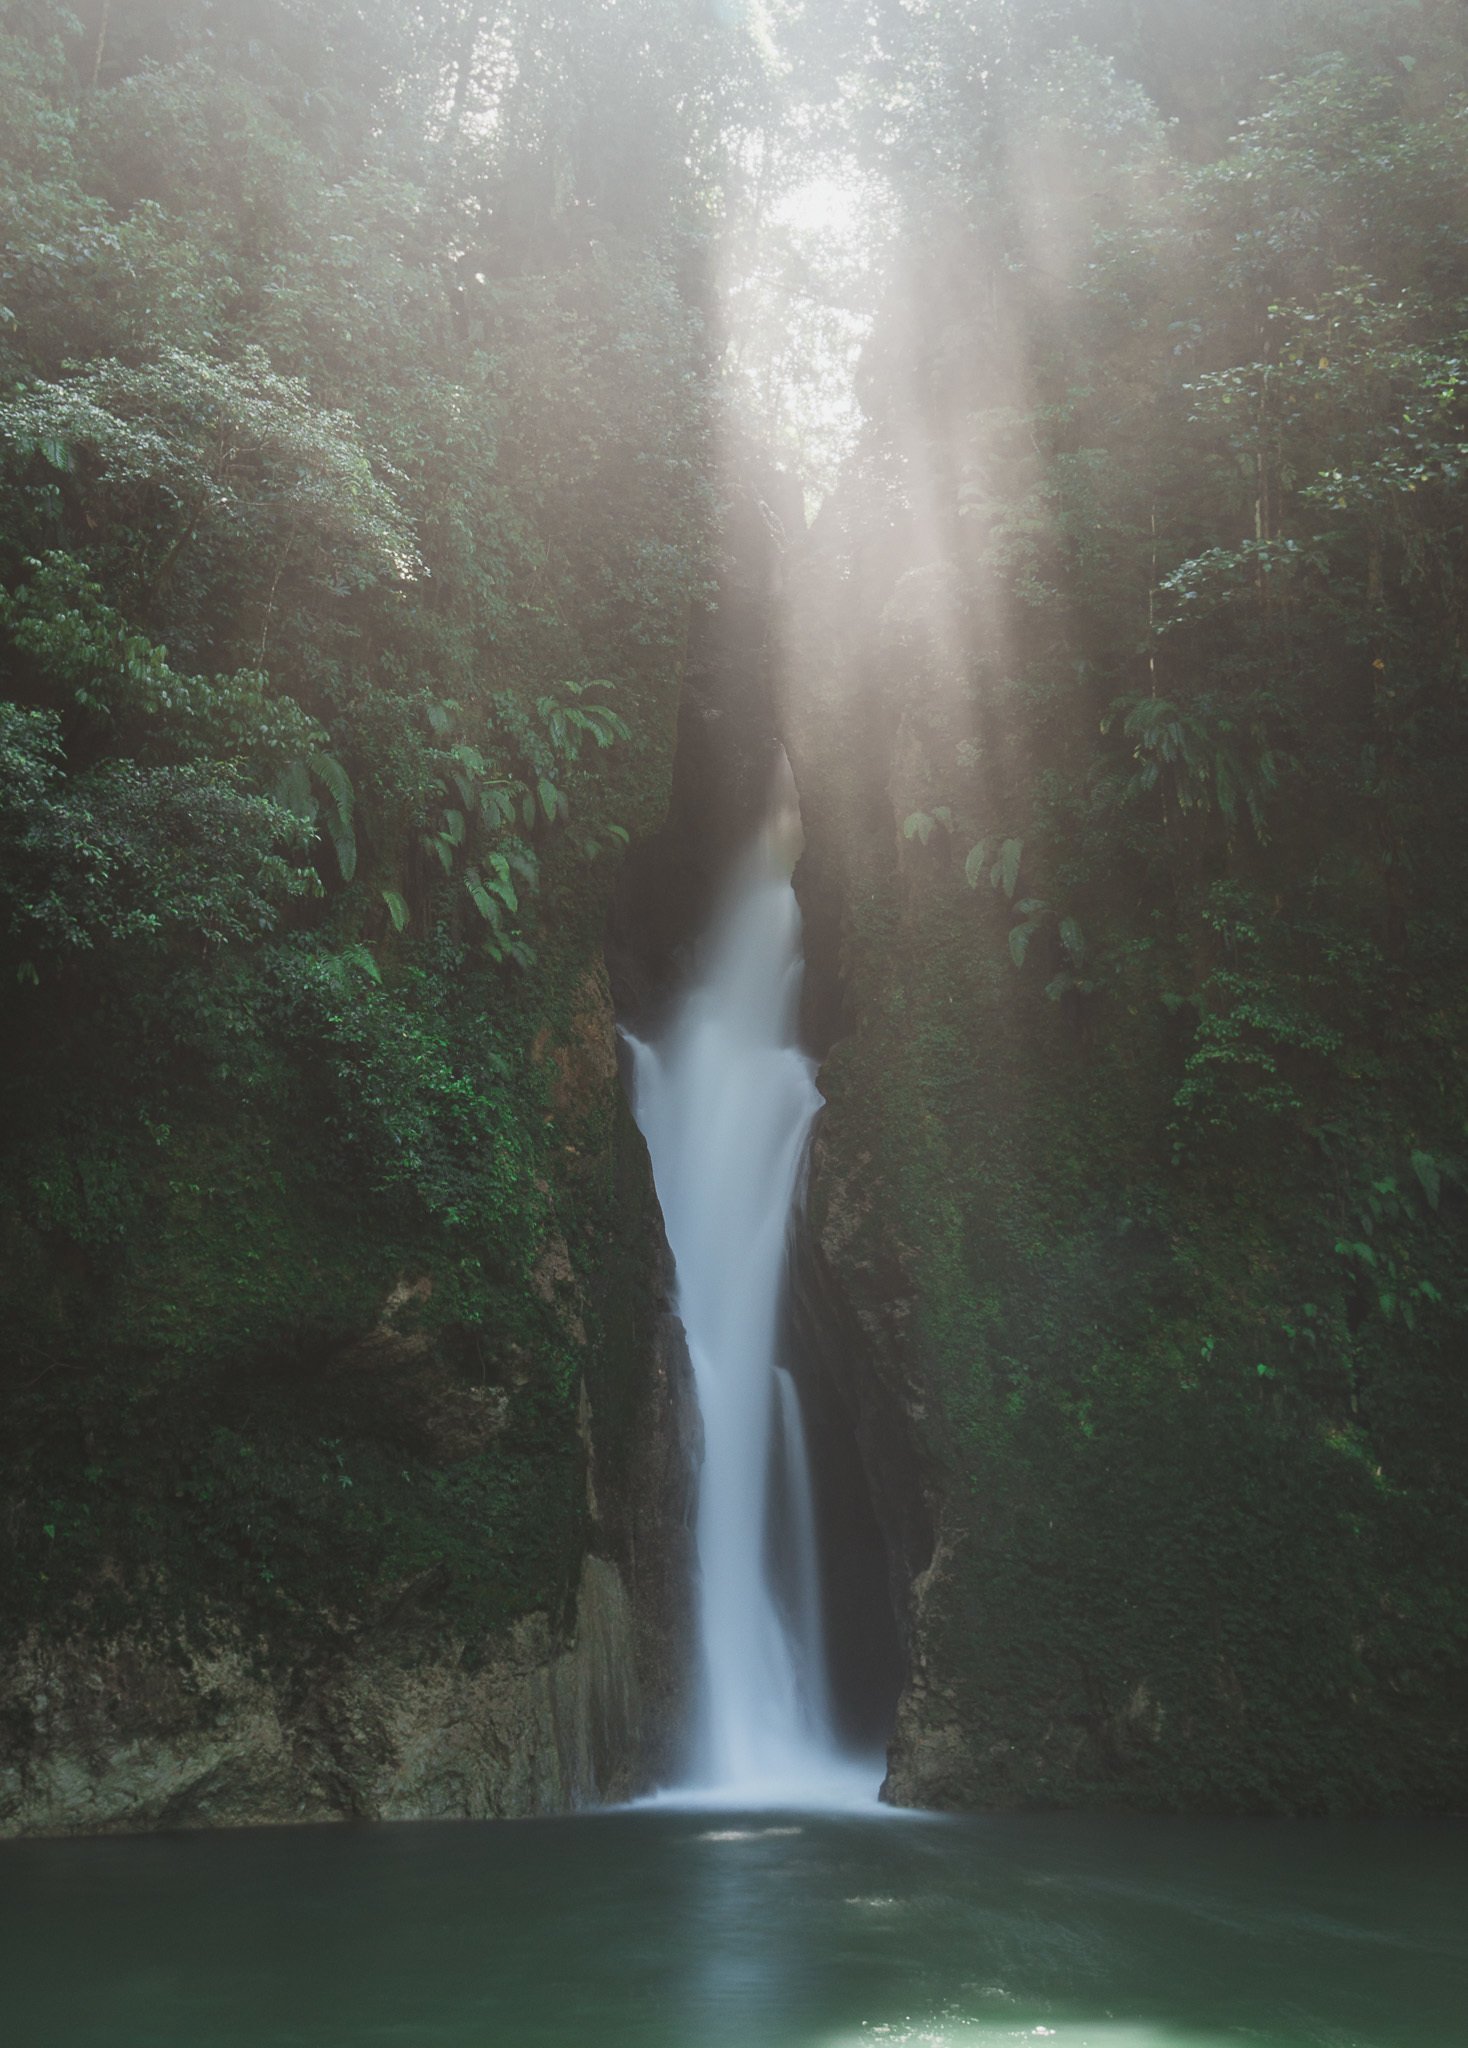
<point>870,1505</point>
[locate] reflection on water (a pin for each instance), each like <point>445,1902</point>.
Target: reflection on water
<point>678,1930</point>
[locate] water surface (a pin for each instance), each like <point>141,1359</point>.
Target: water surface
<point>685,1930</point>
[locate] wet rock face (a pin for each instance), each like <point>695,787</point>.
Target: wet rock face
<point>932,1760</point>
<point>870,1504</point>
<point>661,1544</point>
<point>389,1730</point>
<point>853,1300</point>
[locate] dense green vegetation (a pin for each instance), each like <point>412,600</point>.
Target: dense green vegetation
<point>368,375</point>
<point>1148,584</point>
<point>354,492</point>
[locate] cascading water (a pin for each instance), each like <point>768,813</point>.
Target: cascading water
<point>726,1102</point>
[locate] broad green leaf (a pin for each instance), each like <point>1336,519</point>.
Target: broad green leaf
<point>361,956</point>
<point>330,773</point>
<point>344,843</point>
<point>482,900</point>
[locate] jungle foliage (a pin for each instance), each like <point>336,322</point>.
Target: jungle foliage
<point>355,375</point>
<point>1149,579</point>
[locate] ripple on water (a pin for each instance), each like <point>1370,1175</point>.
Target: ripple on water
<point>665,1930</point>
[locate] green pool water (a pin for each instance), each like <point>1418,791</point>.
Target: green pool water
<point>665,1929</point>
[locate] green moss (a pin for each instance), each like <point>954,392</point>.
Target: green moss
<point>1199,1546</point>
<point>306,1339</point>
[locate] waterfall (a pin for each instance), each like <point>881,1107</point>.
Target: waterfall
<point>726,1101</point>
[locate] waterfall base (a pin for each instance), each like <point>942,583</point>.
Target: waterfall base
<point>826,1784</point>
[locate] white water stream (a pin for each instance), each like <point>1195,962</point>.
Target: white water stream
<point>726,1102</point>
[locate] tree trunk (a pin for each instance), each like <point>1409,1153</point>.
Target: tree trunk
<point>469,40</point>
<point>104,22</point>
